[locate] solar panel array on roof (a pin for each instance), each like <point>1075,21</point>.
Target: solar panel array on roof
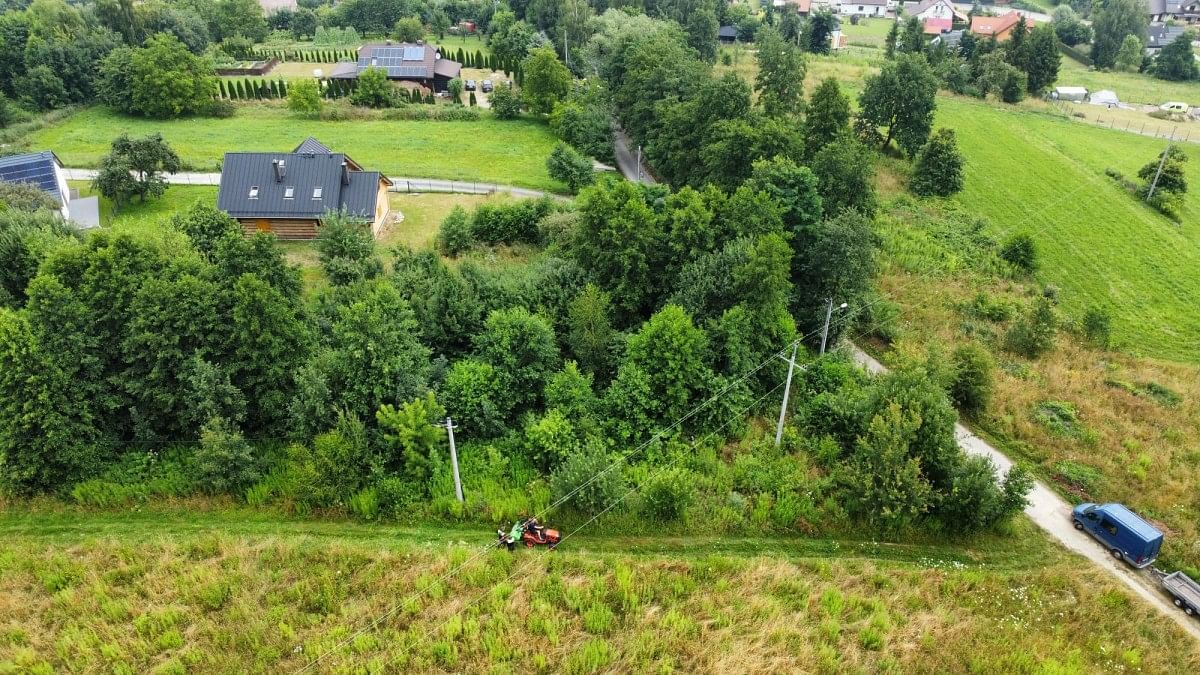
<point>36,168</point>
<point>414,54</point>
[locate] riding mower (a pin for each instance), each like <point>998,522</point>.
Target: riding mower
<point>530,533</point>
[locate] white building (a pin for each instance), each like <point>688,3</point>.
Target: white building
<point>863,8</point>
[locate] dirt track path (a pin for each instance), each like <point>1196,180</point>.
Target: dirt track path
<point>1052,513</point>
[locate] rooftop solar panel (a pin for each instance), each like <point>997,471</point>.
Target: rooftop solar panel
<point>37,169</point>
<point>414,53</point>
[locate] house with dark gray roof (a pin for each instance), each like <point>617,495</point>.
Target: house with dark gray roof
<point>44,171</point>
<point>727,34</point>
<point>290,194</point>
<point>1160,35</point>
<point>415,64</point>
<point>1164,10</point>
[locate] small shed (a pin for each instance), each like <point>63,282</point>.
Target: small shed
<point>1073,94</point>
<point>1104,97</point>
<point>727,34</point>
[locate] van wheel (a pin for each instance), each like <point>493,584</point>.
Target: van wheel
<point>1116,553</point>
<point>1178,603</point>
<point>1078,525</point>
<point>1189,611</point>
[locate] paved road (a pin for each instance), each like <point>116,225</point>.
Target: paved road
<point>627,162</point>
<point>402,184</point>
<point>1053,514</point>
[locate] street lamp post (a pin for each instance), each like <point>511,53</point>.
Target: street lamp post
<point>828,316</point>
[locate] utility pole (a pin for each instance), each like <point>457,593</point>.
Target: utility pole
<point>1161,161</point>
<point>639,164</point>
<point>787,390</point>
<point>828,315</point>
<point>454,459</point>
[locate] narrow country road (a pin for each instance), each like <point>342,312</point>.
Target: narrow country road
<point>627,159</point>
<point>401,184</point>
<point>1052,513</point>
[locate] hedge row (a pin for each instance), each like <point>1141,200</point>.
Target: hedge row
<point>309,55</point>
<point>251,89</point>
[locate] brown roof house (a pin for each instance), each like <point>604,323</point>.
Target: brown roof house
<point>999,26</point>
<point>291,193</point>
<point>420,64</point>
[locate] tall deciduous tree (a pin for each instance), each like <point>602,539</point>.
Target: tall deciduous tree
<point>1129,56</point>
<point>845,176</point>
<point>134,168</point>
<point>620,242</point>
<point>522,348</point>
<point>901,99</point>
<point>1112,22</point>
<point>827,116</point>
<point>780,78</point>
<point>591,332</point>
<point>1043,58</point>
<point>168,80</point>
<point>547,80</point>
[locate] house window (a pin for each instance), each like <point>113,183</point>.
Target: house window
<point>289,192</point>
<point>317,192</point>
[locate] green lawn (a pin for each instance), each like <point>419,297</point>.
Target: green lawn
<point>1129,87</point>
<point>149,217</point>
<point>868,32</point>
<point>1045,175</point>
<point>489,150</point>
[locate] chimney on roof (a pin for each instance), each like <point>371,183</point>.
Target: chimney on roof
<point>279,169</point>
<point>345,174</point>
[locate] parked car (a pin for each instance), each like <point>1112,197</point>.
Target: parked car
<point>470,85</point>
<point>1175,107</point>
<point>486,86</point>
<point>1126,535</point>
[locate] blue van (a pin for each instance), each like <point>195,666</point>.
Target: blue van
<point>1126,535</point>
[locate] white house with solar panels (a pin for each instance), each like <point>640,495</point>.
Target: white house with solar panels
<point>417,65</point>
<point>45,171</point>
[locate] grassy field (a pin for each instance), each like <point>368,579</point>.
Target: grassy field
<point>1035,173</point>
<point>868,32</point>
<point>488,150</point>
<point>198,592</point>
<point>1129,87</point>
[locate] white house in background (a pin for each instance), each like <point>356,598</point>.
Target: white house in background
<point>933,9</point>
<point>269,7</point>
<point>863,8</point>
<point>44,171</point>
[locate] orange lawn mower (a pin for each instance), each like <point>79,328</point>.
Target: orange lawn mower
<point>530,533</point>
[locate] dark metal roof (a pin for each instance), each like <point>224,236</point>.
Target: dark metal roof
<point>37,168</point>
<point>1160,35</point>
<point>312,145</point>
<point>727,32</point>
<point>249,188</point>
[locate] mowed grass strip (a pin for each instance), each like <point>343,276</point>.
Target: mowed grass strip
<point>511,152</point>
<point>1035,173</point>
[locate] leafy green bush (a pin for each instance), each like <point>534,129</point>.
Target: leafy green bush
<point>1020,251</point>
<point>1033,334</point>
<point>668,493</point>
<point>591,479</point>
<point>225,462</point>
<point>365,504</point>
<point>510,223</point>
<point>972,383</point>
<point>455,236</point>
<point>568,166</point>
<point>505,103</point>
<point>1097,326</point>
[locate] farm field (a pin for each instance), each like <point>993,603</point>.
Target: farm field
<point>488,150</point>
<point>1129,87</point>
<point>162,591</point>
<point>1036,173</point>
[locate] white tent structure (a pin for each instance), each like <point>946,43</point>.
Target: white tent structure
<point>1104,97</point>
<point>1074,94</point>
